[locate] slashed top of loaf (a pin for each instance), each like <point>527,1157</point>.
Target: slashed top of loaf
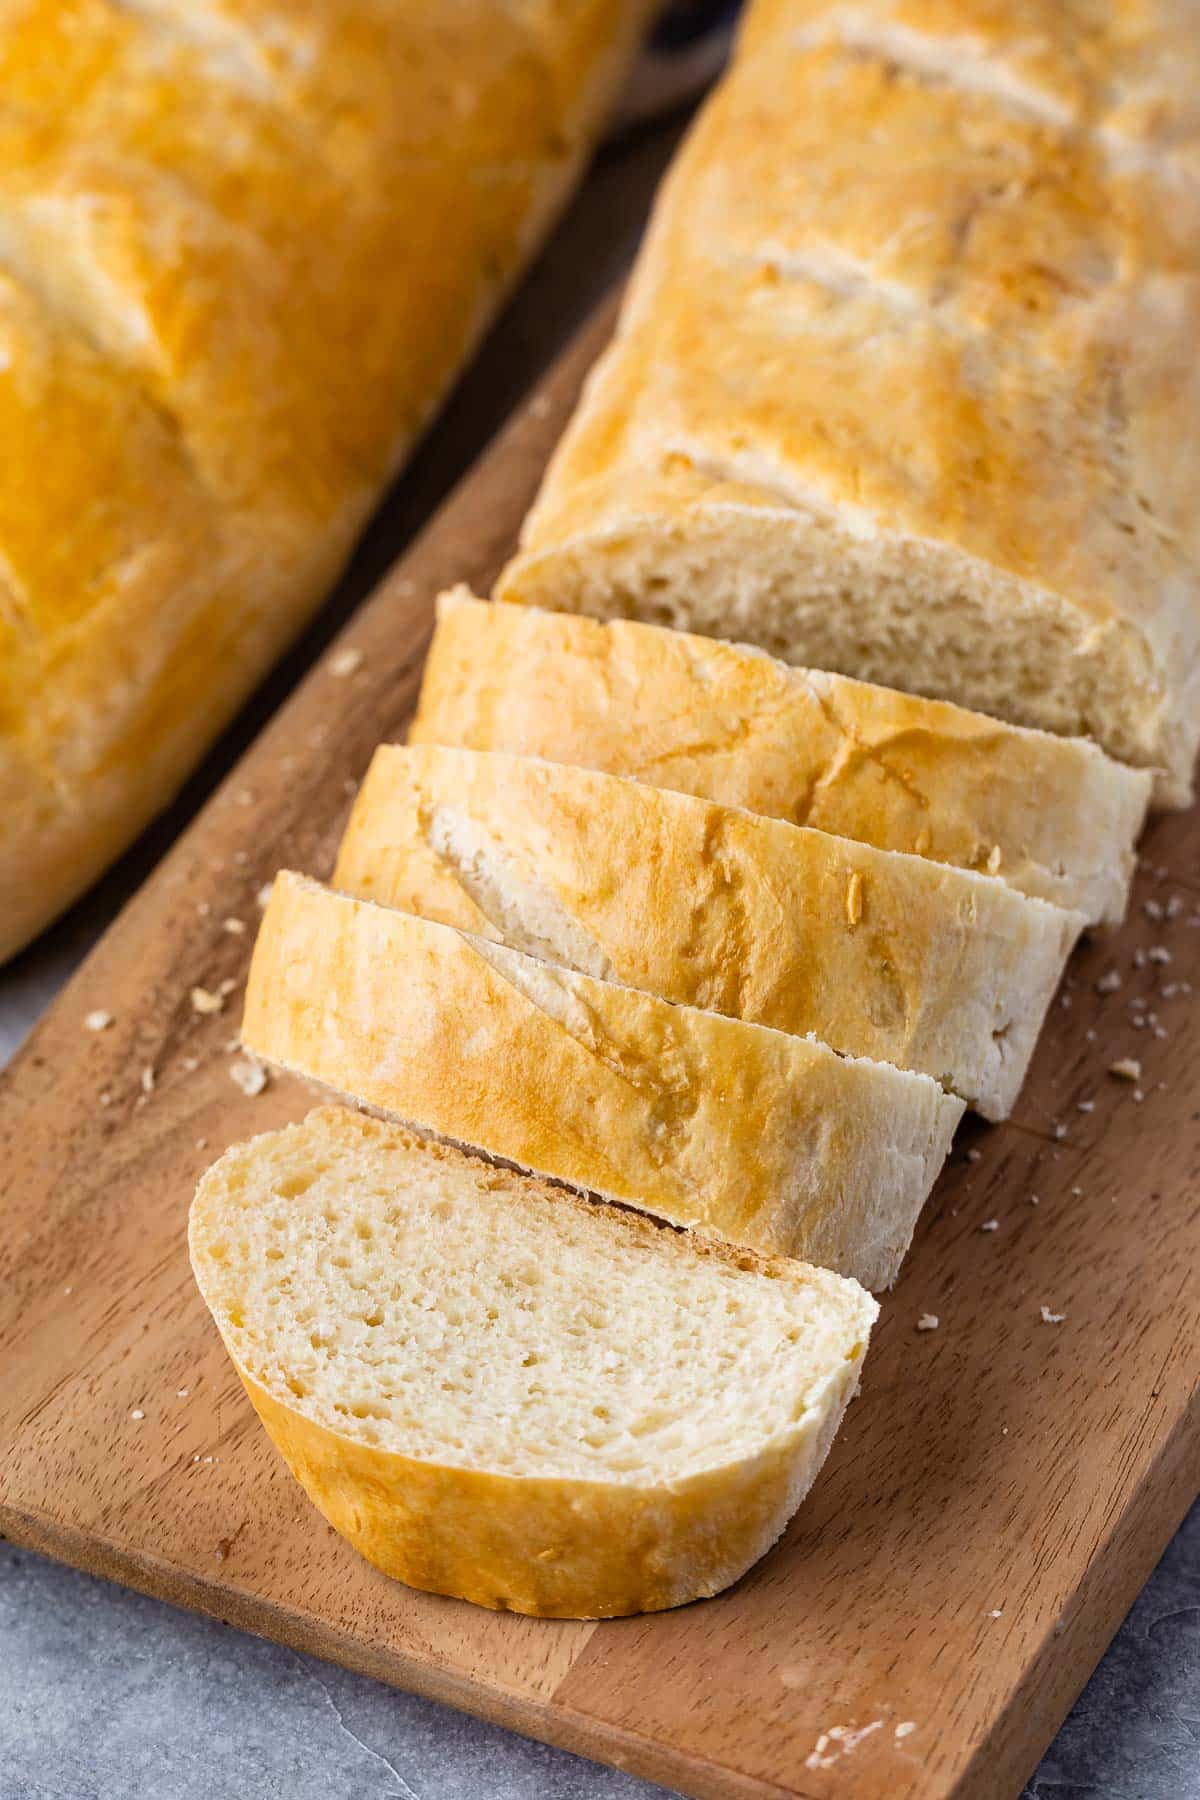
<point>427,1303</point>
<point>243,244</point>
<point>1070,63</point>
<point>904,382</point>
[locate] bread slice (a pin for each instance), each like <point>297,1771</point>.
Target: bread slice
<point>905,383</point>
<point>500,1391</point>
<point>1052,817</point>
<point>768,1140</point>
<point>880,954</point>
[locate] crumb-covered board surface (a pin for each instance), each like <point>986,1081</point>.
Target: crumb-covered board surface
<point>1000,1490</point>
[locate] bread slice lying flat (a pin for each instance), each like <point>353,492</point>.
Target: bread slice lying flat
<point>1051,817</point>
<point>500,1391</point>
<point>880,954</point>
<point>764,1139</point>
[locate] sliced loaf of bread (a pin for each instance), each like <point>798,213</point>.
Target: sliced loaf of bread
<point>1052,817</point>
<point>880,954</point>
<point>503,1392</point>
<point>905,383</point>
<point>767,1140</point>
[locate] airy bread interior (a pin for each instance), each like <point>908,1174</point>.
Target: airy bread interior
<point>424,1302</point>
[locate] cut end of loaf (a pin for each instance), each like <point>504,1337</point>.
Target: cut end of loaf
<point>430,1304</point>
<point>902,613</point>
<point>498,1390</point>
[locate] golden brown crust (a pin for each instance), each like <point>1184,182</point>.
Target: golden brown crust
<point>906,377</point>
<point>200,406</point>
<point>764,1139</point>
<point>891,957</point>
<point>1052,818</point>
<point>1127,72</point>
<point>557,1549</point>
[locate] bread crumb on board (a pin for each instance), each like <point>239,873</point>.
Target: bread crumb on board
<point>1051,1318</point>
<point>839,1740</point>
<point>235,927</point>
<point>99,1020</point>
<point>990,1225</point>
<point>249,1075</point>
<point>345,662</point>
<point>205,1000</point>
<point>928,1322</point>
<point>1127,1069</point>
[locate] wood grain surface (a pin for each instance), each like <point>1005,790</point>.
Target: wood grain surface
<point>1000,1491</point>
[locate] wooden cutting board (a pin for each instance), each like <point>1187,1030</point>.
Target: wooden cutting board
<point>1000,1491</point>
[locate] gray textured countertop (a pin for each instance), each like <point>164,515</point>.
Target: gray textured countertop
<point>105,1695</point>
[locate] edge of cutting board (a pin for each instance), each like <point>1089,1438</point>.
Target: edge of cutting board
<point>1075,1497</point>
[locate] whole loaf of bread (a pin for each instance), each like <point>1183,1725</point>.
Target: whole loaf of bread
<point>244,246</point>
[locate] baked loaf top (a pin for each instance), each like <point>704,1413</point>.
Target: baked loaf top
<point>1129,71</point>
<point>501,1391</point>
<point>905,383</point>
<point>1051,817</point>
<point>245,244</point>
<point>881,955</point>
<point>763,1139</point>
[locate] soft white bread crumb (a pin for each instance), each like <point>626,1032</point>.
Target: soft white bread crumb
<point>499,1390</point>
